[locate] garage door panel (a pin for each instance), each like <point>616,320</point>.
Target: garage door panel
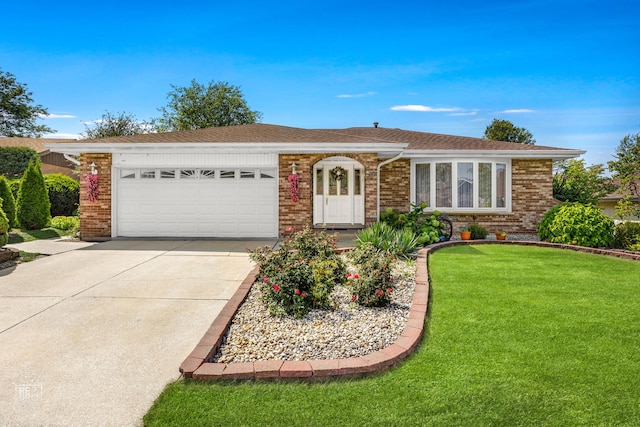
<point>197,207</point>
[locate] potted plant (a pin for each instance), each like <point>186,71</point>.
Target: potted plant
<point>477,231</point>
<point>465,233</point>
<point>501,235</point>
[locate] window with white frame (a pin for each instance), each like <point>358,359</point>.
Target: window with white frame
<point>461,185</point>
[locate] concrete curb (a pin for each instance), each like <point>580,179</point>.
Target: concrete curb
<point>196,365</point>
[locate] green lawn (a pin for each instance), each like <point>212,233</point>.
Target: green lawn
<point>515,336</point>
<point>18,235</point>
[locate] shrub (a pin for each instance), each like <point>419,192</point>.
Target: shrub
<point>371,287</point>
<point>579,224</point>
<point>8,203</point>
<point>64,194</point>
<point>300,274</point>
<point>425,226</point>
<point>14,186</point>
<point>477,231</point>
<point>33,208</point>
<point>15,160</point>
<point>4,228</point>
<point>626,235</point>
<point>67,223</point>
<point>384,237</point>
<point>544,232</point>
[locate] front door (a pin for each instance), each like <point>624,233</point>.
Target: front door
<point>338,193</point>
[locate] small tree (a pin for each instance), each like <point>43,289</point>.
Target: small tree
<point>200,106</point>
<point>4,228</point>
<point>8,204</point>
<point>33,206</point>
<point>575,182</point>
<point>18,115</point>
<point>626,169</point>
<point>504,130</point>
<point>115,125</point>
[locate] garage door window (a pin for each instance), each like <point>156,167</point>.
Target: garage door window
<point>167,174</point>
<point>147,174</point>
<point>128,174</point>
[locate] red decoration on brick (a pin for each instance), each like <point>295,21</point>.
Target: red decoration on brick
<point>294,189</point>
<point>92,187</point>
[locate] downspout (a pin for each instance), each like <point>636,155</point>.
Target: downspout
<point>386,162</point>
<point>71,159</point>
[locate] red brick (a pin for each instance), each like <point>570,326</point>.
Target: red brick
<point>296,368</point>
<point>190,365</point>
<point>209,371</point>
<point>267,368</point>
<point>325,368</point>
<point>238,371</point>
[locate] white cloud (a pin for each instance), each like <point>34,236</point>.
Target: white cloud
<point>523,110</point>
<point>471,113</point>
<point>56,116</point>
<point>357,95</point>
<point>62,135</point>
<point>424,108</point>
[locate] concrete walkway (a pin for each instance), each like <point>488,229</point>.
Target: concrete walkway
<point>91,336</point>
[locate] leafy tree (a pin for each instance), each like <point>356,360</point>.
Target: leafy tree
<point>8,203</point>
<point>18,115</point>
<point>33,206</point>
<point>626,169</point>
<point>14,160</point>
<point>199,106</point>
<point>575,182</point>
<point>120,124</point>
<point>504,130</point>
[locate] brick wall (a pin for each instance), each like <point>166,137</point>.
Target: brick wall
<point>395,185</point>
<point>95,217</point>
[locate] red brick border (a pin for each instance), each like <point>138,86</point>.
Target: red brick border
<point>196,365</point>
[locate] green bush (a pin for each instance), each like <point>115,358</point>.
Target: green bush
<point>544,233</point>
<point>425,226</point>
<point>33,208</point>
<point>583,225</point>
<point>478,232</point>
<point>626,235</point>
<point>15,160</point>
<point>300,274</point>
<point>4,228</point>
<point>8,203</point>
<point>14,186</point>
<point>67,223</point>
<point>371,286</point>
<point>400,242</point>
<point>64,194</point>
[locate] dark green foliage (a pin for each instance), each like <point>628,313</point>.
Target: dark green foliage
<point>14,160</point>
<point>8,203</point>
<point>627,235</point>
<point>626,169</point>
<point>33,208</point>
<point>371,287</point>
<point>504,130</point>
<point>18,114</point>
<point>400,242</point>
<point>115,125</point>
<point>575,182</point>
<point>425,226</point>
<point>4,228</point>
<point>64,194</point>
<point>577,224</point>
<point>300,274</point>
<point>477,231</point>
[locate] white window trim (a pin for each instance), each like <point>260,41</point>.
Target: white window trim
<point>454,177</point>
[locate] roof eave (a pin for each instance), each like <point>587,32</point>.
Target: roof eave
<point>561,154</point>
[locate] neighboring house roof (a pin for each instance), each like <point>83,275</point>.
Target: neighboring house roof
<point>619,193</point>
<point>387,142</point>
<point>37,144</point>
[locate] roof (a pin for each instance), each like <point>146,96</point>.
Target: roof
<point>619,193</point>
<point>285,139</point>
<point>37,144</point>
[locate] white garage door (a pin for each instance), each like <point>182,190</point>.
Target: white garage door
<point>196,202</point>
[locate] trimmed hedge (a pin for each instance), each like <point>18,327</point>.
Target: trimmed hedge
<point>33,206</point>
<point>64,194</point>
<point>8,203</point>
<point>15,160</point>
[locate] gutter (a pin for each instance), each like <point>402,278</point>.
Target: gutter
<point>71,159</point>
<point>380,165</point>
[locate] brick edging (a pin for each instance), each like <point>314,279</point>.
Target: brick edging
<point>196,365</point>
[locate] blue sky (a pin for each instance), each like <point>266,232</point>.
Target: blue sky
<point>567,70</point>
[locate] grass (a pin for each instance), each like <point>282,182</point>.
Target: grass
<point>18,235</point>
<point>516,336</point>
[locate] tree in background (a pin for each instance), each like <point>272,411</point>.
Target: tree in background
<point>33,208</point>
<point>14,160</point>
<point>626,169</point>
<point>199,106</point>
<point>8,203</point>
<point>18,114</point>
<point>575,182</point>
<point>120,124</point>
<point>504,130</point>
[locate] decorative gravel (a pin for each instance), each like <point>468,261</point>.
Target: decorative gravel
<point>348,331</point>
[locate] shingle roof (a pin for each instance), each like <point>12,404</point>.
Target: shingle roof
<point>36,144</point>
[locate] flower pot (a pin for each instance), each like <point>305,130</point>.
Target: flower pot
<point>465,235</point>
<point>501,237</point>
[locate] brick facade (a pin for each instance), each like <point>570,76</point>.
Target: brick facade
<point>395,185</point>
<point>95,217</point>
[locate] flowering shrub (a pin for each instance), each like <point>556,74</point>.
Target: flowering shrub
<point>300,274</point>
<point>92,187</point>
<point>371,287</point>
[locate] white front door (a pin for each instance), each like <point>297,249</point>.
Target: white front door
<point>338,192</point>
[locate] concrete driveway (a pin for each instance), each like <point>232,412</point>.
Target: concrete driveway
<point>91,336</point>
